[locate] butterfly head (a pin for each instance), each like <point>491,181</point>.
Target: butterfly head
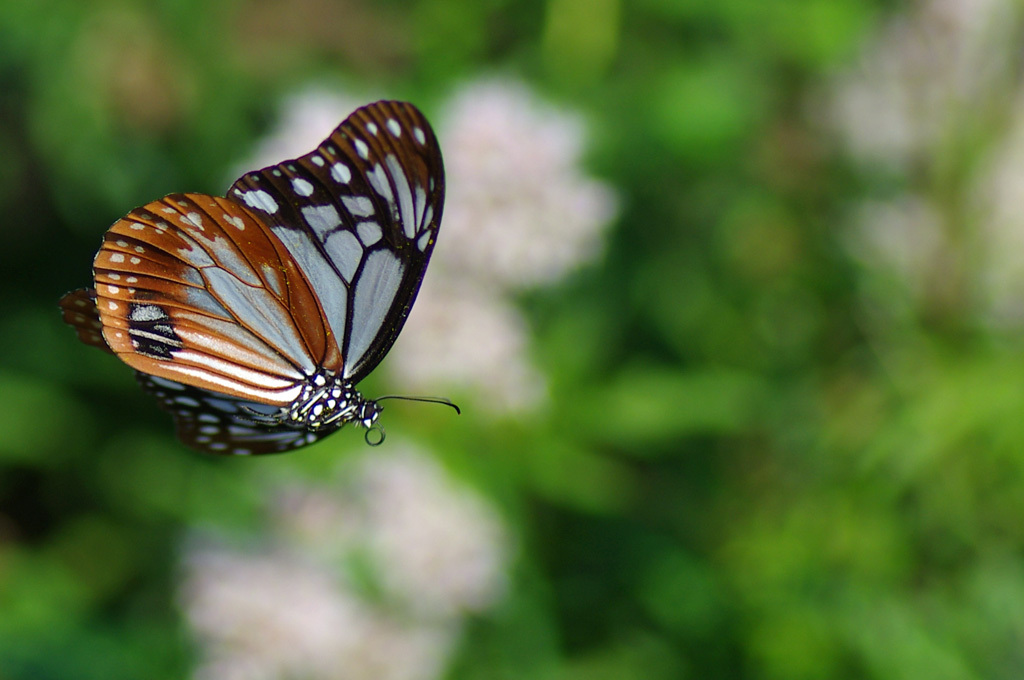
<point>367,414</point>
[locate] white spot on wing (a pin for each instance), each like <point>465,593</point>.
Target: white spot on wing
<point>372,127</point>
<point>360,206</point>
<point>421,204</point>
<point>418,133</point>
<point>237,222</point>
<point>340,173</point>
<point>317,161</point>
<point>369,232</point>
<point>260,200</point>
<point>302,187</point>
<point>404,195</point>
<point>116,257</point>
<point>147,313</point>
<point>195,219</point>
<point>423,240</point>
<point>394,127</point>
<point>362,149</point>
<point>379,181</point>
<point>321,218</point>
<point>346,252</point>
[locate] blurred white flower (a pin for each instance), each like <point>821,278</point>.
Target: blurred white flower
<point>905,237</point>
<point>438,549</point>
<point>275,616</point>
<point>520,210</point>
<point>469,337</point>
<point>316,520</point>
<point>437,545</point>
<point>998,211</point>
<point>936,77</point>
<point>926,72</point>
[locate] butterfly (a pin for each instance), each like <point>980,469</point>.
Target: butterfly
<point>252,317</point>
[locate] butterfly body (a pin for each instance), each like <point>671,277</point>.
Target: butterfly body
<point>252,317</point>
<point>328,402</point>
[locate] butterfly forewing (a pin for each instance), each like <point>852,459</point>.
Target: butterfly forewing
<point>192,288</point>
<point>360,215</point>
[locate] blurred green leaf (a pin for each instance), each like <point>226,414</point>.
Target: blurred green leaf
<point>633,657</point>
<point>652,405</point>
<point>682,594</point>
<point>703,110</point>
<point>36,418</point>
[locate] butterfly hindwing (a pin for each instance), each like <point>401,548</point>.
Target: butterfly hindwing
<point>205,420</point>
<point>78,309</point>
<point>222,424</point>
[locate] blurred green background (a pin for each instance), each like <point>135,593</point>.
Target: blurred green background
<point>782,432</point>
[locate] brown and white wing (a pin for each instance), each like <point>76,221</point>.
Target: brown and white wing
<point>195,289</point>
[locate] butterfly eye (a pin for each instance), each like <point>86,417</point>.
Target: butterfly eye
<point>252,317</point>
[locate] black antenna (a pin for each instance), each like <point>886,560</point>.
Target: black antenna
<point>429,400</point>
